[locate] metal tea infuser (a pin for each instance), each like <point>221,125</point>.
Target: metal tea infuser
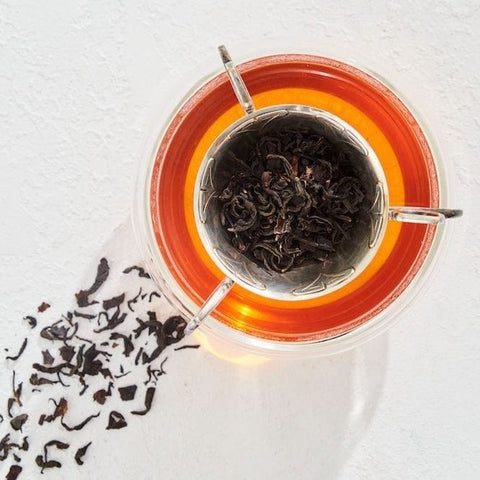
<point>308,281</point>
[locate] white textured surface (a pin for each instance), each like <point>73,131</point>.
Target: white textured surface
<point>76,82</point>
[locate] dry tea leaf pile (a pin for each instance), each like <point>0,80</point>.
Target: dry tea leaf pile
<point>293,200</point>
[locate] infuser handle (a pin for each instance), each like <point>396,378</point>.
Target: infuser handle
<point>431,216</point>
<point>210,303</point>
<point>238,85</point>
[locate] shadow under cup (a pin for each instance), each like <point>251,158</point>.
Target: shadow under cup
<point>177,257</point>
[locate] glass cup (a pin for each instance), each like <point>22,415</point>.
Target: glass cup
<point>169,206</point>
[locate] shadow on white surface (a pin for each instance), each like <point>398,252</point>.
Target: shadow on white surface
<point>211,418</point>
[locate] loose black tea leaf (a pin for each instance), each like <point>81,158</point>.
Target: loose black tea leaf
<point>67,352</point>
<point>54,443</point>
<point>44,306</point>
<point>22,349</point>
<point>183,347</point>
<point>123,374</point>
<point>112,322</point>
<point>148,402</point>
<point>36,380</point>
<point>51,369</point>
<point>100,396</point>
<point>113,302</point>
<point>59,332</point>
<point>25,446</point>
<point>4,447</point>
<point>18,421</point>
<point>127,393</point>
<point>174,329</point>
<point>152,295</point>
<point>102,274</point>
<point>81,453</point>
<point>162,371</point>
<point>32,321</point>
<point>10,403</point>
<point>16,396</point>
<point>43,464</point>
<point>88,316</point>
<point>116,421</point>
<point>139,354</point>
<point>128,347</point>
<point>134,300</point>
<point>106,373</point>
<point>47,358</point>
<point>14,472</point>
<point>154,373</point>
<point>80,425</point>
<point>61,408</point>
<point>140,270</point>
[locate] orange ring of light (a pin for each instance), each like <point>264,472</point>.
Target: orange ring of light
<point>389,128</point>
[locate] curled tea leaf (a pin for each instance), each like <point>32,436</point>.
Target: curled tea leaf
<point>148,402</point>
<point>81,453</point>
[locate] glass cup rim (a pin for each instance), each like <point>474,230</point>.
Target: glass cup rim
<point>143,229</point>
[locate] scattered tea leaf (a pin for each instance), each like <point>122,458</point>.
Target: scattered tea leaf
<point>100,396</point>
<point>88,316</point>
<point>140,270</point>
<point>113,302</point>
<point>81,453</point>
<point>18,421</point>
<point>134,300</point>
<point>111,322</point>
<point>54,443</point>
<point>80,425</point>
<point>184,347</point>
<point>67,352</point>
<point>22,349</point>
<point>43,306</point>
<point>174,329</point>
<point>47,358</point>
<point>128,346</point>
<point>61,408</point>
<point>32,321</point>
<point>102,275</point>
<point>116,421</point>
<point>14,472</point>
<point>36,380</point>
<point>127,393</point>
<point>148,402</point>
<point>43,464</point>
<point>152,295</point>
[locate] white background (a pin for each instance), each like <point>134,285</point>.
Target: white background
<point>76,86</point>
